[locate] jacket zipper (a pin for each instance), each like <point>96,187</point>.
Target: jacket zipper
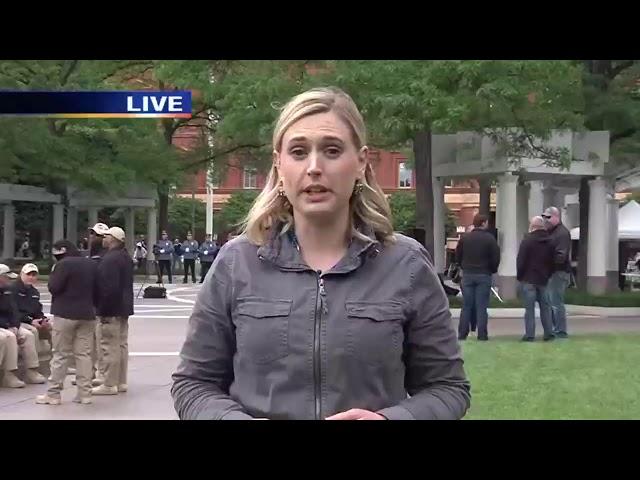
<point>321,307</point>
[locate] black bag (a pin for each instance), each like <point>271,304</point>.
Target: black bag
<point>155,292</point>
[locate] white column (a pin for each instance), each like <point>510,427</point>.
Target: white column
<point>550,196</point>
<point>439,241</point>
<point>613,245</point>
<point>498,214</point>
<point>58,222</point>
<point>93,216</point>
<point>597,256</point>
<point>209,219</point>
<point>72,224</point>
<point>536,198</point>
<point>522,211</point>
<point>8,245</point>
<point>152,232</point>
<point>509,248</point>
<point>130,228</point>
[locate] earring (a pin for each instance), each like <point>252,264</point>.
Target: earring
<point>281,189</point>
<point>358,187</point>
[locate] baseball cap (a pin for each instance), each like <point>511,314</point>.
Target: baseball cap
<point>28,268</point>
<point>6,271</point>
<point>100,229</point>
<point>116,232</point>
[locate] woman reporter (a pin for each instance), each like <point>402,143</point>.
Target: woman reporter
<point>318,310</point>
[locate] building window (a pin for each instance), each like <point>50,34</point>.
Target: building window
<point>250,178</point>
<point>405,176</point>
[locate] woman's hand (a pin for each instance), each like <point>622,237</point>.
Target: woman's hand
<point>356,414</point>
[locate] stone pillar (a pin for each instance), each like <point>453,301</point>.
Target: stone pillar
<point>613,245</point>
<point>572,215</point>
<point>499,212</point>
<point>439,240</point>
<point>507,282</point>
<point>130,229</point>
<point>549,194</point>
<point>597,246</point>
<point>485,196</point>
<point>72,225</point>
<point>536,199</point>
<point>152,237</point>
<point>93,216</point>
<point>522,211</point>
<point>58,222</point>
<point>9,240</point>
<point>209,219</point>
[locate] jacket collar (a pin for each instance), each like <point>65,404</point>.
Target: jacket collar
<point>282,249</point>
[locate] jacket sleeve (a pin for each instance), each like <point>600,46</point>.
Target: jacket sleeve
<point>563,245</point>
<point>201,382</point>
<point>522,259</point>
<point>435,376</point>
<point>495,255</point>
<point>109,281</point>
<point>57,279</point>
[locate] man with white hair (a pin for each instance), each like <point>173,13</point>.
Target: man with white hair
<point>561,240</point>
<point>534,268</point>
<point>115,305</point>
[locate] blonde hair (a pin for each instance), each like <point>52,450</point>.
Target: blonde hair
<point>368,207</point>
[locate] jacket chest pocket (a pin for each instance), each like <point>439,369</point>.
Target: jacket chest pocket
<point>262,329</point>
<point>375,334</point>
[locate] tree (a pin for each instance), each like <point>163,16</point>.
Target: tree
<point>235,210</point>
<point>104,156</point>
<point>612,102</point>
<point>404,102</point>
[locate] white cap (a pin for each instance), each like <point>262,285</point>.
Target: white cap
<point>6,271</point>
<point>28,268</point>
<point>100,229</point>
<point>116,232</point>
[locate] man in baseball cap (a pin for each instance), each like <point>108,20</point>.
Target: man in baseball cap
<point>15,340</point>
<point>6,272</point>
<point>115,305</point>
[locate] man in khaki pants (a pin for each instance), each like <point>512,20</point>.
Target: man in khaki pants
<point>72,284</point>
<point>115,305</point>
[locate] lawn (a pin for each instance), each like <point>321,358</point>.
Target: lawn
<point>585,377</point>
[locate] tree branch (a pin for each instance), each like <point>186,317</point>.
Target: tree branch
<point>624,134</point>
<point>65,76</point>
<point>615,71</point>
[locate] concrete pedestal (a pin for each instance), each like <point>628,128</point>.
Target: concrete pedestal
<point>597,248</point>
<point>507,283</point>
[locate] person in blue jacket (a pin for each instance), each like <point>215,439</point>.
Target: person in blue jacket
<point>189,254</point>
<point>163,250</point>
<point>208,251</point>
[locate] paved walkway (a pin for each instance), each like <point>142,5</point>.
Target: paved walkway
<point>156,334</point>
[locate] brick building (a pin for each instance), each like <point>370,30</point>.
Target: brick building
<point>461,197</point>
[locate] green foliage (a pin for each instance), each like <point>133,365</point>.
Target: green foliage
<point>100,155</point>
<point>403,212</point>
<point>180,216</point>
<point>235,210</point>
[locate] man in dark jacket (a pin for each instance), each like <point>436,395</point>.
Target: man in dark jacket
<point>190,253</point>
<point>559,281</point>
<point>208,252</point>
<point>535,266</point>
<point>72,284</point>
<point>162,251</point>
<point>14,338</point>
<point>479,255</point>
<point>115,305</point>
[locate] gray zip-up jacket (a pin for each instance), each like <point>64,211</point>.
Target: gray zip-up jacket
<point>190,249</point>
<point>271,338</point>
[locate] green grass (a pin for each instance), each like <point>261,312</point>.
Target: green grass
<point>572,297</point>
<point>584,377</point>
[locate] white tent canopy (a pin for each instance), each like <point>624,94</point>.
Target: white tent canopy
<point>628,223</point>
